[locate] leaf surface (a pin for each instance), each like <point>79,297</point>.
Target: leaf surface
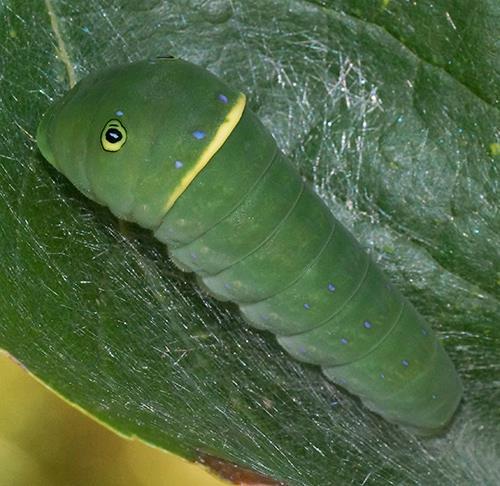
<point>390,109</point>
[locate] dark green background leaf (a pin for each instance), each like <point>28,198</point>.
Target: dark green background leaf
<point>390,108</point>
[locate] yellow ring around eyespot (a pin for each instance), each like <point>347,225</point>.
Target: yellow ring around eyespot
<point>113,127</point>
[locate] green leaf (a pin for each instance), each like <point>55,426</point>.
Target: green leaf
<point>390,108</point>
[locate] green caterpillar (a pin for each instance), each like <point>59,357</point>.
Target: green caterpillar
<point>168,145</point>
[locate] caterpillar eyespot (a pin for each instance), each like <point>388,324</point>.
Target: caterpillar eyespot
<point>232,209</point>
<point>113,136</point>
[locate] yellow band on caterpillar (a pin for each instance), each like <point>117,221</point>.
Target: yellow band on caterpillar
<point>222,134</point>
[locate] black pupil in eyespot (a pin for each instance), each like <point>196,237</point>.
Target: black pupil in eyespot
<point>113,135</point>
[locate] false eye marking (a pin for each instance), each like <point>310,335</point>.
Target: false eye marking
<point>113,136</point>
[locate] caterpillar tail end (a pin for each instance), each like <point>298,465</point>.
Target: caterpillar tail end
<point>424,406</point>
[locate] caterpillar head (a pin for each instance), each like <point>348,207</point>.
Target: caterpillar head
<point>130,137</point>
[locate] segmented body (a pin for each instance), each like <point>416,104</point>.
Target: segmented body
<point>231,208</point>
